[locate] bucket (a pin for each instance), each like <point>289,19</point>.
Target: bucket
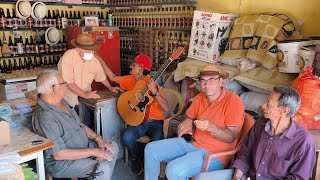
<point>306,57</point>
<point>288,55</point>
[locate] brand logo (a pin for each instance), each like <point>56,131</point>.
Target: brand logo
<point>206,15</point>
<point>224,18</point>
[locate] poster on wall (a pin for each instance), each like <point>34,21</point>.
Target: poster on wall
<point>209,35</point>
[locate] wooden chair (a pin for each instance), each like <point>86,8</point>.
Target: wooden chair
<point>247,124</point>
<point>174,99</point>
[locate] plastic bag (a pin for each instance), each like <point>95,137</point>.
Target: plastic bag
<point>308,87</point>
<point>9,168</point>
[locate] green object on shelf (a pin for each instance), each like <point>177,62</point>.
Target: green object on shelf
<point>28,172</point>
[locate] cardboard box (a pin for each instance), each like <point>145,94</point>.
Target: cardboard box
<point>5,133</point>
<point>209,35</point>
<point>91,21</point>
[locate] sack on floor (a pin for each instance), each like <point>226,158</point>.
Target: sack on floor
<point>308,87</point>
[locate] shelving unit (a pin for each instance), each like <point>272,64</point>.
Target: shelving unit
<point>28,29</point>
<point>33,55</point>
<point>153,28</point>
<point>59,4</point>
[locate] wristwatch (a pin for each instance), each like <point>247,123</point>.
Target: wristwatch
<point>157,93</point>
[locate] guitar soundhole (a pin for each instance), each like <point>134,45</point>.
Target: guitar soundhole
<point>140,96</point>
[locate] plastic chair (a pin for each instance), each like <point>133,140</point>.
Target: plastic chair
<point>247,124</point>
<point>174,99</point>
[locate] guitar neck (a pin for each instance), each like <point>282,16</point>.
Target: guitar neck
<point>158,74</point>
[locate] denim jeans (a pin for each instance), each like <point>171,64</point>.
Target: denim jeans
<point>184,160</point>
<point>225,174</point>
<point>153,129</point>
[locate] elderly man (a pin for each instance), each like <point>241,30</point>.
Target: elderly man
<point>79,67</point>
<point>77,148</point>
<point>217,115</point>
<point>276,147</point>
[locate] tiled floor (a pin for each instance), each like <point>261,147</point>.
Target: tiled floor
<point>123,172</point>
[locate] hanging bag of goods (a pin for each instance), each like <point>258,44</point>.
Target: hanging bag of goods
<point>308,116</point>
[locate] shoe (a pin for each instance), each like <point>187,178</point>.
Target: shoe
<point>136,167</point>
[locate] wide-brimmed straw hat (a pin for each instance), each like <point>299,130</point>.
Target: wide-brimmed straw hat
<point>23,9</point>
<point>52,35</point>
<point>39,10</point>
<point>85,41</point>
<point>212,70</point>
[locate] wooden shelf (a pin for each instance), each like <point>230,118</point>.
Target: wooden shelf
<point>158,29</point>
<point>189,3</point>
<point>29,29</point>
<point>59,4</point>
<point>34,55</point>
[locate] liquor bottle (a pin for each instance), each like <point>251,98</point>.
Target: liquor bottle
<point>54,19</point>
<point>39,62</point>
<point>9,23</point>
<point>64,42</point>
<point>15,20</point>
<point>15,65</point>
<point>20,67</point>
<point>49,19</point>
<point>2,19</point>
<point>78,16</point>
<point>27,44</point>
<point>30,64</point>
<point>9,69</point>
<point>41,42</point>
<point>20,46</point>
<point>11,46</point>
<point>59,21</point>
<point>50,62</point>
<point>45,62</point>
<point>4,67</point>
<point>35,63</point>
<point>32,45</point>
<point>25,63</point>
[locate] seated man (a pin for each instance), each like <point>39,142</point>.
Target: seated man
<point>153,127</point>
<point>276,147</point>
<point>76,145</point>
<point>218,117</point>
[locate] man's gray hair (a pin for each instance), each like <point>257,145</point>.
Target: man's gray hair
<point>289,97</point>
<point>46,80</point>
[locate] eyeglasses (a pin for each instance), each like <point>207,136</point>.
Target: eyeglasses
<point>210,80</point>
<point>62,83</point>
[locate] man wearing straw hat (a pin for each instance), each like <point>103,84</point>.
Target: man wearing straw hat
<point>214,121</point>
<point>79,67</point>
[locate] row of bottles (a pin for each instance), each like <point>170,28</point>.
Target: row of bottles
<point>154,17</point>
<point>125,61</point>
<point>54,18</point>
<point>27,63</point>
<point>132,2</point>
<point>101,2</point>
<point>36,45</point>
<point>130,41</point>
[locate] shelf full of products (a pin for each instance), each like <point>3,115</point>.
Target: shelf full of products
<point>91,3</point>
<point>133,3</point>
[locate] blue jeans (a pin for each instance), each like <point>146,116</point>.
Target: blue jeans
<point>153,129</point>
<point>225,174</point>
<point>184,160</point>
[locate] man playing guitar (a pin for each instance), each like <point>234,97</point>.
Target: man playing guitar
<point>153,127</point>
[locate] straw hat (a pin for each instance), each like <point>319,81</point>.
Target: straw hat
<point>39,10</point>
<point>212,70</point>
<point>23,9</point>
<point>52,35</point>
<point>85,41</point>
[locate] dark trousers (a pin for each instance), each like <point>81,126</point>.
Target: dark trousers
<point>153,129</point>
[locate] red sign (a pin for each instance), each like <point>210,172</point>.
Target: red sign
<point>206,15</point>
<point>224,18</point>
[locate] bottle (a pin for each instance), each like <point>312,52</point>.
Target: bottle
<point>11,46</point>
<point>45,62</point>
<point>9,23</point>
<point>64,43</point>
<point>15,48</point>
<point>20,46</point>
<point>110,21</point>
<point>15,20</point>
<point>2,19</point>
<point>15,65</point>
<point>4,67</point>
<point>27,44</point>
<point>41,42</point>
<point>20,67</point>
<point>59,21</point>
<point>30,64</point>
<point>35,63</point>
<point>50,62</point>
<point>9,69</point>
<point>32,45</point>
<point>25,63</point>
<point>54,19</point>
<point>49,19</point>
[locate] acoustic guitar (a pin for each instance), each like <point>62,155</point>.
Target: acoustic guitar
<point>134,105</point>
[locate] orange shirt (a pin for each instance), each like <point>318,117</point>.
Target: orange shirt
<point>128,82</point>
<point>227,110</point>
<point>75,70</point>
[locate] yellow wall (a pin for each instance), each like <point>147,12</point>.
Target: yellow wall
<point>308,10</point>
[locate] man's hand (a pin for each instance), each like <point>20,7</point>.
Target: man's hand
<point>101,153</point>
<point>91,95</point>
<point>185,127</point>
<point>105,145</point>
<point>205,125</point>
<point>238,174</point>
<point>152,85</point>
<point>115,89</point>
